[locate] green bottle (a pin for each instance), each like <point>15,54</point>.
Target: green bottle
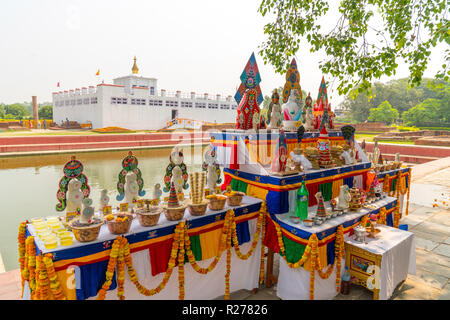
<point>301,208</point>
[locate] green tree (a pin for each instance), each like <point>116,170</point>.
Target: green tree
<point>384,113</point>
<point>2,111</point>
<point>365,43</point>
<point>397,93</point>
<point>16,111</point>
<point>46,112</point>
<point>430,110</point>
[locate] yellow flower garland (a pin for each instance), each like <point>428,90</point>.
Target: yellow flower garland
<point>382,216</point>
<point>54,282</point>
<point>181,262</point>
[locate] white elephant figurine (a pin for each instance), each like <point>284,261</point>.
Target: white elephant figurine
<point>209,162</point>
<point>88,211</point>
<point>157,192</point>
<point>344,197</point>
<point>104,199</point>
<point>74,196</point>
<point>131,189</point>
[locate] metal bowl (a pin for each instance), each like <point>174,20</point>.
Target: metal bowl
<point>294,219</point>
<point>308,223</point>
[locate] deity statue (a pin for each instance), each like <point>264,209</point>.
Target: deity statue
<point>74,196</point>
<point>130,165</point>
<point>291,109</point>
<point>275,117</point>
<point>176,171</point>
<point>279,161</point>
<point>344,197</point>
<point>306,107</point>
<point>246,110</point>
<point>309,120</point>
<point>131,189</point>
<point>212,169</point>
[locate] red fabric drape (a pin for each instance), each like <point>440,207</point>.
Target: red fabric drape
<point>271,238</point>
<point>226,182</point>
<point>312,189</point>
<point>160,255</point>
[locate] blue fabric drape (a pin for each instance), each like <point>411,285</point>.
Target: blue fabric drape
<point>277,202</point>
<point>243,232</point>
<point>92,277</point>
<point>349,182</point>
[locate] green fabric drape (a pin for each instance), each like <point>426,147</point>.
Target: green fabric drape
<point>393,184</point>
<point>237,185</point>
<point>294,250</point>
<point>195,247</point>
<point>327,190</point>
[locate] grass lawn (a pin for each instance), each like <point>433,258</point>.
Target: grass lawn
<point>366,136</point>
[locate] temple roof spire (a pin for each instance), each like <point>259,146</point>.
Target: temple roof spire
<point>135,69</point>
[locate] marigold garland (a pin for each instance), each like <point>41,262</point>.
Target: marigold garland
<point>396,214</point>
<point>55,287</point>
<point>382,216</point>
<point>22,251</point>
<point>181,262</point>
<point>409,188</point>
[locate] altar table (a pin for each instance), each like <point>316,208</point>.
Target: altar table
<point>90,259</point>
<point>393,251</point>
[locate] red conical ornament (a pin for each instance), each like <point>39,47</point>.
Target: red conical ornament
<point>173,198</point>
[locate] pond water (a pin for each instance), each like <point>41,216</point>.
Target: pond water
<point>29,184</point>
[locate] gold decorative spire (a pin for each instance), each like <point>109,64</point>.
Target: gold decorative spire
<point>135,69</point>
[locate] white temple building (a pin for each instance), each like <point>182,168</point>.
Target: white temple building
<point>133,102</point>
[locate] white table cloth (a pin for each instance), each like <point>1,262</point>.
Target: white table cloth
<point>398,250</point>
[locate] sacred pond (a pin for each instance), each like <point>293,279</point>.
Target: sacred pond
<point>31,182</point>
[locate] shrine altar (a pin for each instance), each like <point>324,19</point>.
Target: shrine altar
<point>294,282</point>
<point>393,253</point>
<point>81,267</point>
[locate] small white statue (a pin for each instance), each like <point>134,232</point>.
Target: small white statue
<point>309,119</point>
<point>177,179</point>
<point>74,196</point>
<point>375,153</point>
<point>157,192</point>
<point>300,158</point>
<point>255,121</point>
<point>104,199</point>
<point>131,189</point>
<point>344,197</point>
<point>210,163</point>
<point>88,211</point>
<point>291,113</point>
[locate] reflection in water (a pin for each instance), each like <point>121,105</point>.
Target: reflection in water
<point>29,185</point>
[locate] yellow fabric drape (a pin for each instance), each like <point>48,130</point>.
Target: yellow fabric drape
<point>209,242</point>
<point>336,187</point>
<point>67,278</point>
<point>257,192</point>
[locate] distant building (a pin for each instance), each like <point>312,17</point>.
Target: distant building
<point>133,102</point>
<point>339,112</point>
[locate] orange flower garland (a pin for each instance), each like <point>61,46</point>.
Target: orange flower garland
<point>181,262</point>
<point>132,273</point>
<point>31,263</point>
<point>227,274</point>
<point>396,214</point>
<point>409,188</point>
<point>110,269</point>
<point>22,251</point>
<point>382,217</point>
<point>261,264</point>
<point>54,283</point>
<point>255,237</point>
<point>121,269</point>
<point>44,284</point>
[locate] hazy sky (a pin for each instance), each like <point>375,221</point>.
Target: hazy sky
<point>197,45</point>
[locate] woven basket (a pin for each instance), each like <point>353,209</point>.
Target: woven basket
<point>149,218</point>
<point>236,199</point>
<point>217,204</point>
<point>174,214</point>
<point>86,234</point>
<point>120,227</point>
<point>197,209</point>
